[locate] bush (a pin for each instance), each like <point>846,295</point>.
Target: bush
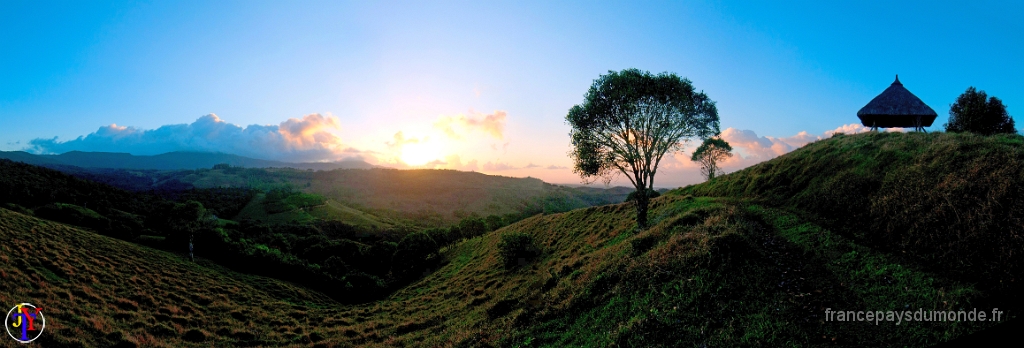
<point>516,249</point>
<point>472,226</point>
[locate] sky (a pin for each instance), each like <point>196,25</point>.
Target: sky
<point>473,85</point>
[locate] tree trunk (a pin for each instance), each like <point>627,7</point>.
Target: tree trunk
<point>641,203</point>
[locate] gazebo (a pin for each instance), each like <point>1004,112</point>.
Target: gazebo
<point>897,107</point>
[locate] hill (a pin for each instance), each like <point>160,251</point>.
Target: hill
<point>948,200</point>
<point>168,161</point>
<point>716,268</point>
<point>709,272</point>
<point>439,197</point>
<point>377,196</point>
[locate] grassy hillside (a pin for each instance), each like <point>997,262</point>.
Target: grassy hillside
<point>743,269</point>
<point>947,200</point>
<point>709,271</point>
<point>444,196</point>
<point>100,291</point>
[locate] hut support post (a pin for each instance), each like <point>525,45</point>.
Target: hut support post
<point>918,126</point>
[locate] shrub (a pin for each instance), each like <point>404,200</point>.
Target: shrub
<point>494,222</point>
<point>516,249</point>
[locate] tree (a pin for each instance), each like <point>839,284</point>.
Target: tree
<point>629,120</point>
<point>186,219</point>
<point>972,113</point>
<point>709,154</point>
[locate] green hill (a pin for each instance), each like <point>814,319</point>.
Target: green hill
<point>948,200</point>
<point>440,197</point>
<point>423,197</point>
<point>382,197</point>
<point>746,260</point>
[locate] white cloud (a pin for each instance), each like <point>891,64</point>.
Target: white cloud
<point>294,140</point>
<point>854,128</point>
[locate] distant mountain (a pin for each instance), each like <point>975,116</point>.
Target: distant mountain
<point>168,161</point>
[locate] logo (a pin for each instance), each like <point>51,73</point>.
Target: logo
<point>25,322</point>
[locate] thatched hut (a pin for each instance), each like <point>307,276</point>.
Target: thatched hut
<point>896,107</point>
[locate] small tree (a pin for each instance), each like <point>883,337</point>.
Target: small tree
<point>188,218</point>
<point>975,112</point>
<point>516,249</point>
<point>629,120</point>
<point>709,154</point>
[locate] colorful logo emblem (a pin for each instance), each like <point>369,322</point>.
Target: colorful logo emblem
<point>25,322</point>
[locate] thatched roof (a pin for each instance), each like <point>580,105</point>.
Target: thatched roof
<point>896,107</point>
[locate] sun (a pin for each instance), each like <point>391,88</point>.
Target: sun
<point>418,154</point>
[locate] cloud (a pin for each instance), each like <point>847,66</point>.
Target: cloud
<point>456,127</point>
<point>310,131</point>
<point>553,167</point>
<point>454,162</point>
<point>497,167</point>
<point>400,140</point>
<point>854,128</point>
<point>294,140</point>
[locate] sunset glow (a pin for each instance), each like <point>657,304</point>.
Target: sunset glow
<point>418,154</point>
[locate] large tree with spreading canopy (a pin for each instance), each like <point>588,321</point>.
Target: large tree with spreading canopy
<point>629,121</point>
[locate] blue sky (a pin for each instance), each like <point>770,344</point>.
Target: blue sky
<point>486,82</point>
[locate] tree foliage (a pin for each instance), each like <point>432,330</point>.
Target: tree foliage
<point>650,194</point>
<point>709,154</point>
<point>516,249</point>
<point>186,220</point>
<point>629,120</point>
<point>976,112</point>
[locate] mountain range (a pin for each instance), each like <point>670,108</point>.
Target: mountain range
<point>169,161</point>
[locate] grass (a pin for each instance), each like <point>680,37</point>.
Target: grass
<point>948,200</point>
<point>711,278</point>
<point>756,265</point>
